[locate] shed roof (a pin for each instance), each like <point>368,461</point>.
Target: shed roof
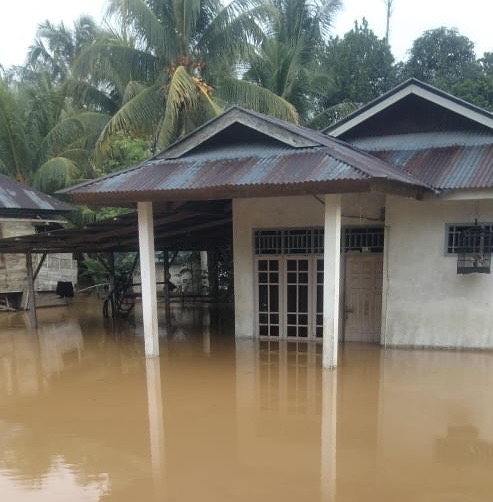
<point>191,226</point>
<point>244,154</point>
<point>19,199</point>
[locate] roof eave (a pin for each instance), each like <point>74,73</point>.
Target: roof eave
<point>247,191</point>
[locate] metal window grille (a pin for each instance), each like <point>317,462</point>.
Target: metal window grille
<point>455,231</point>
<point>474,250</point>
<point>363,239</point>
<point>268,242</point>
<point>311,240</point>
<point>289,241</point>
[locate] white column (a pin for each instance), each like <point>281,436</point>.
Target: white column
<point>332,257</point>
<point>156,424</point>
<point>148,278</point>
<point>328,437</point>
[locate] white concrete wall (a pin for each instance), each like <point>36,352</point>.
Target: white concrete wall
<point>425,302</point>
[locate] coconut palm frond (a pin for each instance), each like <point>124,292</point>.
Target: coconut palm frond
<point>56,173</point>
<point>81,129</point>
<point>153,33</point>
<point>13,140</point>
<point>331,115</point>
<point>114,62</point>
<point>86,95</point>
<point>133,89</point>
<point>182,95</point>
<point>138,117</point>
<point>257,98</point>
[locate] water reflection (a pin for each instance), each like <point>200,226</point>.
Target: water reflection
<point>84,416</point>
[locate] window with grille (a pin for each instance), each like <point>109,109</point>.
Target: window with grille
<point>311,240</point>
<point>289,241</point>
<point>363,239</point>
<point>455,233</point>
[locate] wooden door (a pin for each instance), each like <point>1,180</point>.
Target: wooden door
<point>363,297</point>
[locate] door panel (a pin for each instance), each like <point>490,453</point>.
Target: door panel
<point>289,293</point>
<point>363,297</point>
<point>268,297</point>
<point>297,298</point>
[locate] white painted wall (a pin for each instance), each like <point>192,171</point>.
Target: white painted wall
<point>425,302</point>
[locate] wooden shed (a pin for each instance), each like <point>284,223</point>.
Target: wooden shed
<point>24,211</point>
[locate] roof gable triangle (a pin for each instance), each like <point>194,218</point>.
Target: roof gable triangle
<point>239,125</point>
<point>418,89</point>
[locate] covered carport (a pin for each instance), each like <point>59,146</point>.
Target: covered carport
<point>185,226</point>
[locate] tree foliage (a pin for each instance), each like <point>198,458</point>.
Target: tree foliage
<point>442,57</point>
<point>173,63</point>
<point>361,66</point>
<point>92,99</point>
<point>288,60</point>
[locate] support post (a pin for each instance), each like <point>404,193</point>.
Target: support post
<point>40,264</point>
<point>328,439</point>
<point>148,278</point>
<point>167,297</point>
<point>110,256</point>
<point>156,424</point>
<point>31,305</point>
<point>332,258</point>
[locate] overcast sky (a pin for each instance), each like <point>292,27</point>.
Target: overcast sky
<point>19,19</point>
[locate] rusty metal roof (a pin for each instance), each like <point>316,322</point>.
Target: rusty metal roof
<point>192,226</point>
<point>242,166</point>
<point>444,161</point>
<point>16,198</point>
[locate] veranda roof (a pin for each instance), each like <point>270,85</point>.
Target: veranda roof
<point>246,154</point>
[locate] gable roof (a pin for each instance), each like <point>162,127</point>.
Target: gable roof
<point>417,89</point>
<point>439,139</point>
<point>243,154</point>
<point>21,200</point>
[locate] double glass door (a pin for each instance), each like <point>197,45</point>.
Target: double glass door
<point>289,296</point>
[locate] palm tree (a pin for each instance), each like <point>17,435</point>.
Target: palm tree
<point>288,60</point>
<point>56,46</point>
<point>174,63</point>
<point>42,141</point>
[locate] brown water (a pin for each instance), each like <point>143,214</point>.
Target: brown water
<point>85,417</point>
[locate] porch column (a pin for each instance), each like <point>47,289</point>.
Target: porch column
<point>148,278</point>
<point>332,256</point>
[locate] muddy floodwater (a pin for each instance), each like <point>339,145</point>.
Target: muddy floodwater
<point>85,417</point>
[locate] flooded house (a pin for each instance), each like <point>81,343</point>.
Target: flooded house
<point>25,211</point>
<point>376,230</point>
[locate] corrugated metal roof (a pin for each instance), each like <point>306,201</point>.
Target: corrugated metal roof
<point>424,140</point>
<point>189,227</point>
<point>268,166</point>
<point>15,196</point>
<point>447,168</point>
